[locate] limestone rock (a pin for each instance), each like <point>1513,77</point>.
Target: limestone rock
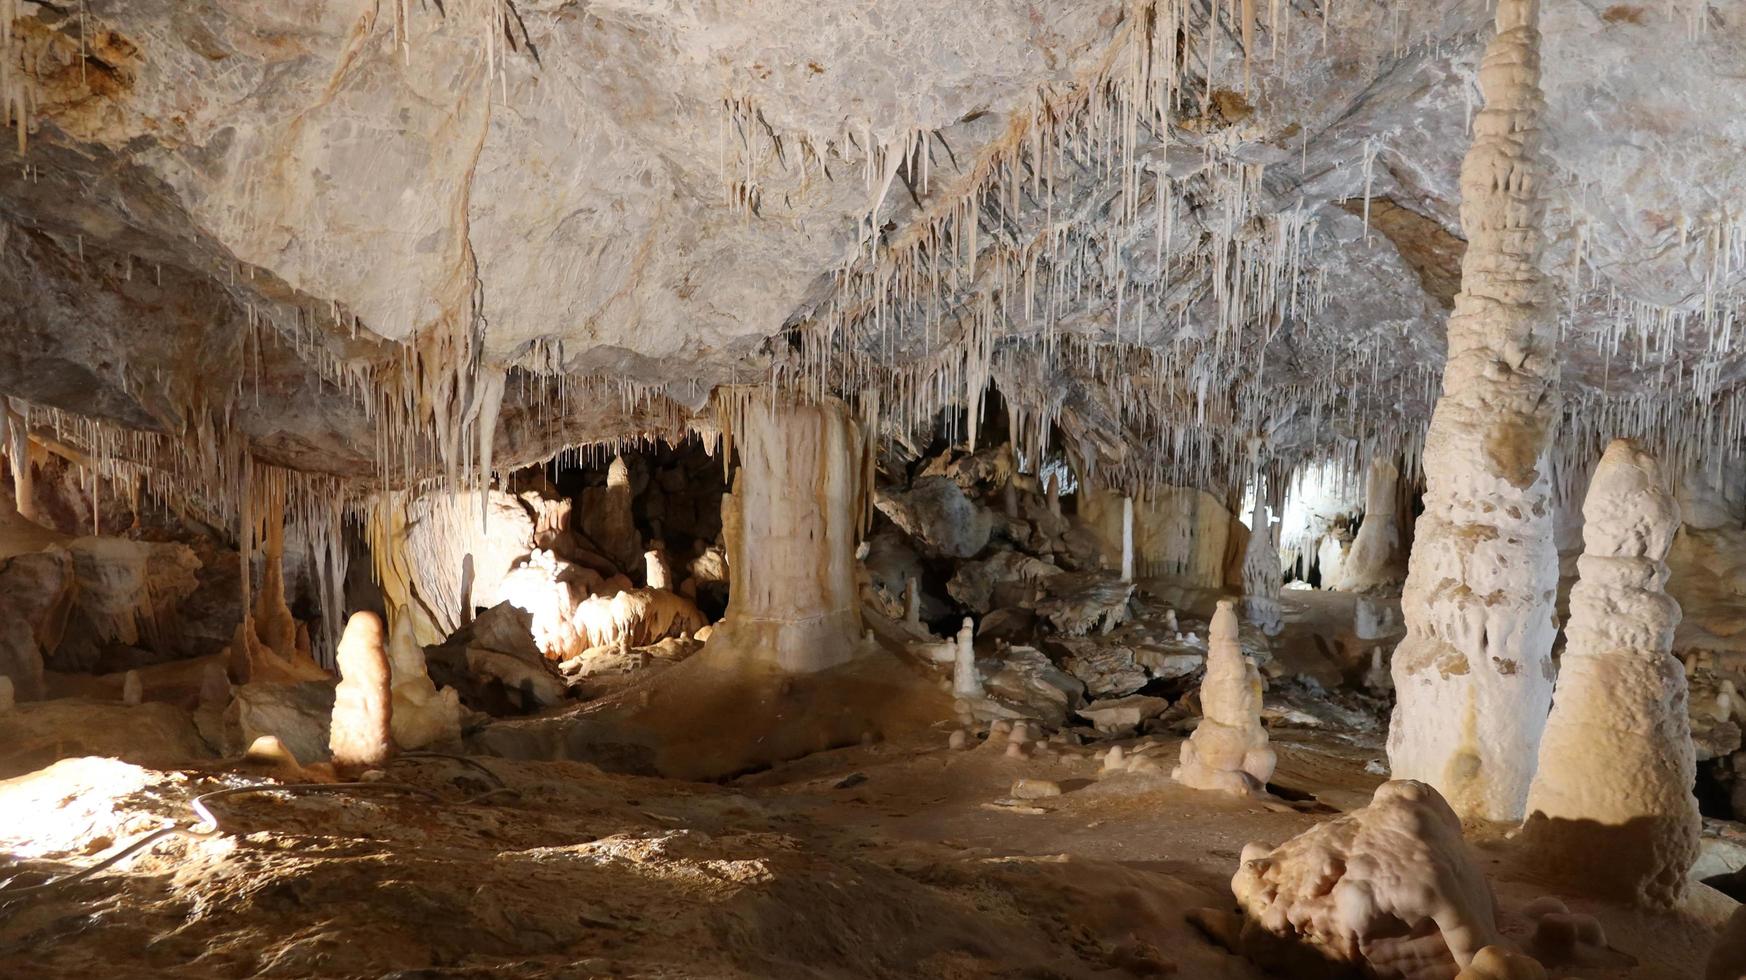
<point>1390,890</point>
<point>1079,602</point>
<point>1035,789</point>
<point>935,512</point>
<point>298,715</point>
<point>1028,680</point>
<point>1122,716</point>
<point>1108,670</point>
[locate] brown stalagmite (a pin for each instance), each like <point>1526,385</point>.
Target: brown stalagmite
<point>1474,674</point>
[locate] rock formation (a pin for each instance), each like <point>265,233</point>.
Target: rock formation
<point>361,734</point>
<point>1473,678</point>
<point>1228,751</point>
<point>966,683</point>
<point>421,715</point>
<point>792,526</point>
<point>1390,890</point>
<point>1376,560</point>
<point>1616,764</point>
<point>607,520</point>
<point>1261,572</point>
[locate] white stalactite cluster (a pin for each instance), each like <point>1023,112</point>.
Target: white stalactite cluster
<point>1616,765</point>
<point>1474,675</point>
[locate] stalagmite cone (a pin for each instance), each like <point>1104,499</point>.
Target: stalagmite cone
<point>360,733</point>
<point>1616,765</point>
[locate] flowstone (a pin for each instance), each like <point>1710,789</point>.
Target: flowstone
<point>1390,889</point>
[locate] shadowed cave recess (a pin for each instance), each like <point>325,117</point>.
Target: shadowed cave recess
<point>873,488</point>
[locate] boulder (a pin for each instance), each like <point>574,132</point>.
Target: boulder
<point>1122,716</point>
<point>935,512</point>
<point>296,714</point>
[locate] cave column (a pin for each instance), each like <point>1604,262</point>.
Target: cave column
<point>1617,763</point>
<point>1474,674</point>
<point>792,524</point>
<point>1374,561</point>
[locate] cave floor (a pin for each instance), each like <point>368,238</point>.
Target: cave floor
<point>895,859</point>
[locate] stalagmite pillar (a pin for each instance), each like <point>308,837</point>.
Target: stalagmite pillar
<point>1474,674</point>
<point>1261,571</point>
<point>1229,750</point>
<point>965,682</point>
<point>1617,764</point>
<point>792,524</point>
<point>1052,493</point>
<point>1374,561</point>
<point>1127,539</point>
<point>360,732</point>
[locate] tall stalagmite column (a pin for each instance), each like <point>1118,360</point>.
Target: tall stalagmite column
<point>1474,675</point>
<point>792,524</point>
<point>1617,765</point>
<point>1374,561</point>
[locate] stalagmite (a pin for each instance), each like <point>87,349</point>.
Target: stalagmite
<point>1052,495</point>
<point>1616,764</point>
<point>1474,675</point>
<point>911,602</point>
<point>1127,538</point>
<point>7,696</point>
<point>131,690</point>
<point>360,733</point>
<point>1374,560</point>
<point>421,715</point>
<point>656,572</point>
<point>1228,751</point>
<point>607,519</point>
<point>792,525</point>
<point>966,683</point>
<point>1261,572</point>
<point>1391,890</point>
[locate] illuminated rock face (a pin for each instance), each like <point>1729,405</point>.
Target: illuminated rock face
<point>792,524</point>
<point>1616,764</point>
<point>1474,675</point>
<point>1228,751</point>
<point>1390,889</point>
<point>360,734</point>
